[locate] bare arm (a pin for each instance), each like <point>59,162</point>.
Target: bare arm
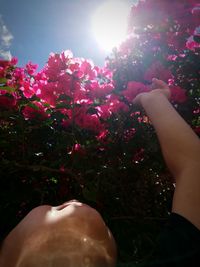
<point>180,147</point>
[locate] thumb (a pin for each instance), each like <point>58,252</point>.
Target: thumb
<point>158,84</point>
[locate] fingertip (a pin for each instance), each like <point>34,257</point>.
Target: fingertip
<point>160,82</point>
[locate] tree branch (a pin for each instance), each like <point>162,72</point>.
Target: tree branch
<point>41,168</point>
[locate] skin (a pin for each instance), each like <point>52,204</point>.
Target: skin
<point>180,147</point>
<point>181,150</point>
<point>72,233</point>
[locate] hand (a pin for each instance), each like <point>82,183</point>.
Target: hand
<point>158,87</point>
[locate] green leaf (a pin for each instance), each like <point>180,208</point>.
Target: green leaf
<point>49,111</point>
<point>32,105</point>
<point>54,180</point>
<point>7,88</point>
<point>3,80</point>
<point>196,38</point>
<point>35,98</point>
<point>46,105</point>
<point>65,97</point>
<point>63,105</point>
<point>58,116</point>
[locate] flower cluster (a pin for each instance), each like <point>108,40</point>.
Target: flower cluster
<point>163,42</point>
<point>74,94</point>
<point>70,130</point>
<point>83,93</point>
<point>93,105</point>
<point>67,85</point>
<point>176,23</point>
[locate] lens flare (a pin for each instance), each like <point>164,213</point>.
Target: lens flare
<point>109,23</point>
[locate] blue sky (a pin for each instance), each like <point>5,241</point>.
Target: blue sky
<point>31,29</point>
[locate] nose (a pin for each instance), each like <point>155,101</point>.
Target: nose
<point>65,204</point>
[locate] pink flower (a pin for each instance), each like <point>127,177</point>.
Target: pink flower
<point>191,44</point>
<point>133,89</point>
<point>68,113</point>
<point>172,57</point>
<point>116,105</point>
<point>87,69</point>
<point>89,122</point>
<point>66,56</point>
<point>19,75</point>
<point>102,136</point>
<point>40,76</point>
<point>4,63</point>
<point>178,94</point>
<point>197,130</point>
<point>104,111</point>
<point>129,134</point>
<point>14,61</point>
<point>99,91</point>
<point>196,111</point>
<point>38,111</point>
<point>78,149</point>
<point>49,93</point>
<point>27,89</point>
<point>54,66</point>
<point>65,83</point>
<point>31,68</point>
<point>85,120</point>
<point>2,72</point>
<point>104,72</point>
<point>7,63</point>
<point>91,85</point>
<point>157,70</point>
<point>79,93</point>
<point>74,68</point>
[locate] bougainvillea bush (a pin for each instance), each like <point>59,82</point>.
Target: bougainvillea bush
<point>70,130</point>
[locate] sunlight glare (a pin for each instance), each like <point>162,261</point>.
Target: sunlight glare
<point>109,23</point>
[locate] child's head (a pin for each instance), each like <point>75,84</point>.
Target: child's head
<point>71,235</point>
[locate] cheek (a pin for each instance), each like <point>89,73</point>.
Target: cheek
<point>34,220</point>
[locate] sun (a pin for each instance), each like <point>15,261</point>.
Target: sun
<point>109,23</point>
